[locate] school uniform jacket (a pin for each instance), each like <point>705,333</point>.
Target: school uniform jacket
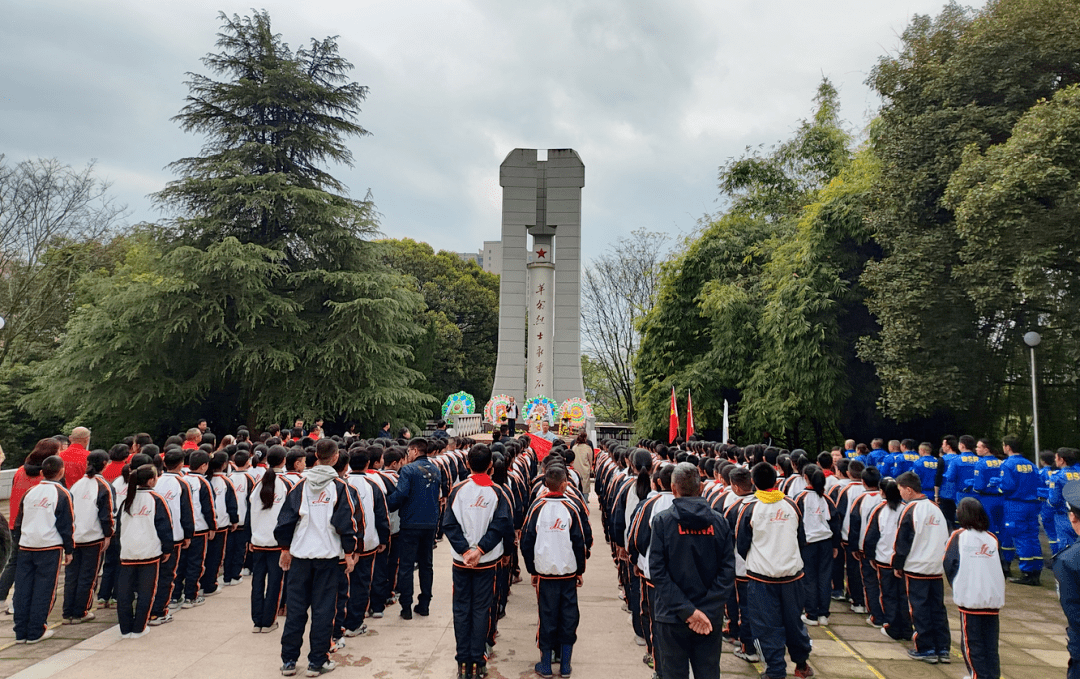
<point>264,521</point>
<point>844,500</point>
<point>373,505</point>
<point>881,533</point>
<point>640,535</point>
<point>225,509</point>
<point>555,538</point>
<point>319,518</point>
<point>202,503</point>
<point>920,540</point>
<point>477,515</point>
<point>146,531</point>
<point>795,485</point>
<point>860,512</point>
<point>46,519</point>
<point>733,504</point>
<point>93,508</point>
<point>820,518</point>
<point>177,495</point>
<point>242,483</point>
<point>973,568</point>
<point>387,480</point>
<point>770,537</point>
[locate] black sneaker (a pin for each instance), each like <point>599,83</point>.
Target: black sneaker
<point>317,670</point>
<point>288,669</point>
<point>943,658</point>
<point>406,613</point>
<point>422,610</point>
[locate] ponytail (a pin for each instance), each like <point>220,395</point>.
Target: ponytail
<point>95,462</point>
<point>268,483</point>
<point>816,478</point>
<point>642,462</point>
<point>891,490</point>
<point>138,476</point>
<point>499,473</point>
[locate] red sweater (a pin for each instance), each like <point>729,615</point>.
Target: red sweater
<point>74,457</point>
<point>19,485</point>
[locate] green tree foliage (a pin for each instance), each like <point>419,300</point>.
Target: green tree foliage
<point>763,307</point>
<point>458,351</point>
<point>263,301</point>
<point>958,86</point>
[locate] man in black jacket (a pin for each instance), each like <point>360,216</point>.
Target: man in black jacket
<point>692,564</point>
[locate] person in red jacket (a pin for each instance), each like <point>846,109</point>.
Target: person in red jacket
<point>74,456</point>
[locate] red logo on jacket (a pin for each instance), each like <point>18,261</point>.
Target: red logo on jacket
<point>558,525</point>
<point>480,502</point>
<point>43,503</point>
<point>779,516</point>
<point>984,551</point>
<point>323,499</point>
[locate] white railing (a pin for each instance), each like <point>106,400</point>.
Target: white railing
<point>468,425</point>
<point>6,477</point>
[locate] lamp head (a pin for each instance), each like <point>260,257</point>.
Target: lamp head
<point>1032,339</point>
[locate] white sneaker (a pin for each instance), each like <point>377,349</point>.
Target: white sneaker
<point>47,635</point>
<point>858,609</point>
<point>809,622</point>
<point>136,635</point>
<point>886,633</point>
<point>748,657</point>
<point>823,621</point>
<point>640,641</point>
<point>870,621</point>
<point>246,571</point>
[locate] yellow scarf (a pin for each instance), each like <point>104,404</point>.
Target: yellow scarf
<point>769,496</point>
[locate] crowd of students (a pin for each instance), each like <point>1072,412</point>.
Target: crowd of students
<point>710,541</point>
<point>878,527</point>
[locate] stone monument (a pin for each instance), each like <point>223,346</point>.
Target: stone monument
<point>540,288</point>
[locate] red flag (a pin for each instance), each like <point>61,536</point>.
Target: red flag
<point>689,415</point>
<point>673,420</point>
<point>541,446</point>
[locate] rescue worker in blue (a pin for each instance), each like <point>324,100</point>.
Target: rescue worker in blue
<point>925,466</point>
<point>1020,484</point>
<point>1067,572</point>
<point>961,473</point>
<point>1046,512</point>
<point>877,454</point>
<point>985,489</point>
<point>945,488</point>
<point>1067,470</point>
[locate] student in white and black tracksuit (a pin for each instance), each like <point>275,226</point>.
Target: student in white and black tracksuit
<point>918,553</point>
<point>770,536</point>
<point>739,629</point>
<point>375,537</point>
<point>859,514</point>
<point>821,525</point>
<point>144,528</point>
<point>315,527</point>
<point>265,503</point>
<point>227,519</point>
<point>236,548</point>
<point>692,564</point>
<point>192,557</point>
<point>94,510</point>
<point>978,584</point>
<point>878,548</point>
<point>177,495</point>
<point>637,544</point>
<point>43,532</point>
<point>555,543</point>
<point>478,520</point>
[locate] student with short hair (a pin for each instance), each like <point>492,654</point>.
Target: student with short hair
<point>44,530</point>
<point>878,550</point>
<point>978,586</point>
<point>478,519</point>
<point>315,526</point>
<point>145,530</point>
<point>204,522</point>
<point>375,536</point>
<point>94,509</point>
<point>770,536</point>
<point>918,552</point>
<point>236,548</point>
<point>226,520</point>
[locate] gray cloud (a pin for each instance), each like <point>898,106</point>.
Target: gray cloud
<point>654,96</point>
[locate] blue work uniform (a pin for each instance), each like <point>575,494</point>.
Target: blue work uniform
<point>876,457</point>
<point>1065,533</point>
<point>961,473</point>
<point>1020,484</point>
<point>925,467</point>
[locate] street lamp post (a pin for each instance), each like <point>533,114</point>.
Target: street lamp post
<point>1032,339</point>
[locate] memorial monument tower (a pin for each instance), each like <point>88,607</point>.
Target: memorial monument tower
<point>540,288</point>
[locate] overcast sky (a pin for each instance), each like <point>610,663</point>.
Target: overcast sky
<point>654,96</point>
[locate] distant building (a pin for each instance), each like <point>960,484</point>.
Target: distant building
<point>491,256</point>
<point>477,257</point>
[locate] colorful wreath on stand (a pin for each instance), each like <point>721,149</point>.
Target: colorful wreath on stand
<point>460,403</point>
<point>577,410</point>
<point>541,407</point>
<point>495,410</point>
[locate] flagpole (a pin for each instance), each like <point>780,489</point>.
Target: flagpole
<point>725,421</point>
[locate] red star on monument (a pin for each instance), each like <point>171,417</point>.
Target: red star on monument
<point>541,253</point>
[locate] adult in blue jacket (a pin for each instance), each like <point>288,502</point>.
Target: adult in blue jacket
<point>1020,484</point>
<point>417,500</point>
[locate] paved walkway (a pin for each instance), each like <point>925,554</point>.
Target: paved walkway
<point>215,640</point>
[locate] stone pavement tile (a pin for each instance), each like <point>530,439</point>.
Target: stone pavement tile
<point>828,648</point>
<point>127,661</point>
<point>840,668</point>
<point>1010,655</point>
<point>12,666</point>
<point>851,633</point>
<point>915,669</point>
<point>730,665</point>
<point>1059,658</point>
<point>1029,641</point>
<point>55,664</point>
<point>884,650</point>
<point>101,640</point>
